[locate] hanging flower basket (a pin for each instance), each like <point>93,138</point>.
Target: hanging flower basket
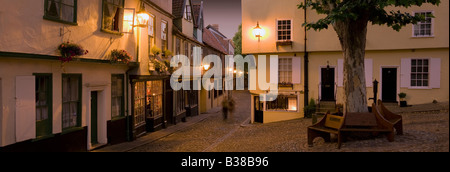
<point>69,50</point>
<point>120,56</point>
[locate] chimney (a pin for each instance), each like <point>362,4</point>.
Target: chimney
<point>215,26</point>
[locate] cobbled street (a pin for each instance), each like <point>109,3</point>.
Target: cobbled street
<point>424,131</point>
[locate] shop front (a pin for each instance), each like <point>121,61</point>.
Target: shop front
<point>148,97</point>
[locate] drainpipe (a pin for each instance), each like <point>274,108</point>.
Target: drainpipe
<point>306,58</point>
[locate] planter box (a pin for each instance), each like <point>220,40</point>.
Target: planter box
<point>403,104</point>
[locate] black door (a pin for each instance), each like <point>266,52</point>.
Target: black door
<point>327,84</point>
<point>259,116</point>
<point>94,117</point>
<point>168,104</point>
<point>389,85</point>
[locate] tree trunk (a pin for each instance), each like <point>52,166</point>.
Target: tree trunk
<point>352,35</point>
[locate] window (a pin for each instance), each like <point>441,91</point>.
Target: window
<point>139,104</point>
<point>155,99</point>
<point>71,101</point>
<point>419,72</point>
<point>112,15</point>
<point>180,101</point>
<point>283,103</point>
<point>177,46</point>
<point>61,10</point>
<point>284,30</point>
<point>151,26</point>
<point>164,35</point>
<point>186,49</point>
<point>117,96</point>
<point>188,14</point>
<point>285,70</point>
<point>151,33</point>
<point>43,104</point>
<point>424,28</point>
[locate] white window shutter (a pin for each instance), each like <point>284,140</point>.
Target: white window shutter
<point>25,108</point>
<point>296,70</point>
<point>273,69</point>
<point>435,73</point>
<point>405,74</point>
<point>368,66</point>
<point>340,72</point>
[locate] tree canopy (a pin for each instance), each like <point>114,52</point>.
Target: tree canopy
<point>373,10</point>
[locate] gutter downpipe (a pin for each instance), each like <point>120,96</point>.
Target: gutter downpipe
<point>306,58</point>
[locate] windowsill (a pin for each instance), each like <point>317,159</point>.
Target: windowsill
<point>284,43</point>
<point>431,36</point>
<point>281,111</point>
<point>43,137</point>
<point>112,32</point>
<point>420,88</point>
<point>60,21</point>
<point>71,130</point>
<point>118,118</point>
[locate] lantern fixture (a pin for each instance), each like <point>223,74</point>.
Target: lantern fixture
<point>142,17</point>
<point>206,67</point>
<point>258,31</point>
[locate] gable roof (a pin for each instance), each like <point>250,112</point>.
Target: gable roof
<point>178,8</point>
<point>197,10</point>
<point>212,41</point>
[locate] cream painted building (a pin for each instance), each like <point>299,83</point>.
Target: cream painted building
<point>414,60</point>
<point>85,103</point>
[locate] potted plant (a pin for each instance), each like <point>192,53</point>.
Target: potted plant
<point>120,56</point>
<point>155,51</point>
<point>69,50</point>
<point>403,102</point>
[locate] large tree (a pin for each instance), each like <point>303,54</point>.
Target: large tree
<point>350,19</point>
<point>237,40</point>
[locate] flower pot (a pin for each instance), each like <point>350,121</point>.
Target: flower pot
<point>403,104</point>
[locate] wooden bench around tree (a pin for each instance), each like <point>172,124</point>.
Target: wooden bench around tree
<point>373,122</point>
<point>393,118</point>
<point>330,124</point>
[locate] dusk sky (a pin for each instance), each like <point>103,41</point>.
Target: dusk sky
<point>226,13</point>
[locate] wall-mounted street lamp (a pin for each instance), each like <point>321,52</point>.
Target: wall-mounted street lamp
<point>130,20</point>
<point>258,31</point>
<point>142,17</point>
<point>206,67</point>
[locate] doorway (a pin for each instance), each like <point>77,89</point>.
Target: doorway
<point>389,85</point>
<point>94,117</point>
<point>328,84</point>
<point>259,113</point>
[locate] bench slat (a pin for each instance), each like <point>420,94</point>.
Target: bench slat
<point>360,119</point>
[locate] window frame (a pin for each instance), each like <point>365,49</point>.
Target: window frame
<point>58,19</point>
<point>420,23</point>
<point>420,73</point>
<point>120,29</point>
<point>287,98</point>
<point>278,30</point>
<point>164,42</point>
<point>289,67</point>
<point>188,13</point>
<point>80,101</point>
<point>49,95</point>
<point>122,103</point>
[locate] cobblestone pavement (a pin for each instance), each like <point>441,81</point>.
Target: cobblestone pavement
<point>424,131</point>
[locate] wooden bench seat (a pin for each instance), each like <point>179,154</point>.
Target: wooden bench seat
<point>396,120</point>
<point>377,121</point>
<point>330,124</point>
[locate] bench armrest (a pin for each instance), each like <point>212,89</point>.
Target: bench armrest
<point>388,114</point>
<point>382,122</point>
